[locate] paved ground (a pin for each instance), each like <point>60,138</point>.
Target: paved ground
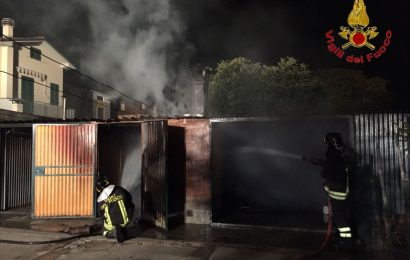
<point>97,247</point>
<point>140,248</point>
<point>184,242</point>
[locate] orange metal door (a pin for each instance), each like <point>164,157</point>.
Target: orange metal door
<point>63,170</point>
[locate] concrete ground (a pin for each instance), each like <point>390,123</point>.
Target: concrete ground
<point>147,242</point>
<point>97,247</point>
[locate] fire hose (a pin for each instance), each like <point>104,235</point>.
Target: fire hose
<point>325,240</point>
<point>15,242</point>
<point>314,161</point>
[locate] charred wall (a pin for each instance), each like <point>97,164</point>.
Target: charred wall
<point>258,174</point>
<point>198,177</point>
<point>155,195</point>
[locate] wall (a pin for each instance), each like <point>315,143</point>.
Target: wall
<point>154,173</point>
<point>16,60</point>
<point>198,178</point>
<point>6,64</point>
<point>381,193</point>
<point>45,66</point>
<point>11,116</point>
<point>105,104</point>
<point>79,97</point>
<point>259,177</point>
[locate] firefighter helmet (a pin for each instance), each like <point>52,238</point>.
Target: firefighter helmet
<point>104,188</point>
<point>101,184</point>
<point>334,139</point>
<point>106,193</point>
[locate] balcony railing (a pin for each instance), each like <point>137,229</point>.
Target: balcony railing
<point>43,109</point>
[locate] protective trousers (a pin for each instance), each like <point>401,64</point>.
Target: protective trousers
<point>341,217</point>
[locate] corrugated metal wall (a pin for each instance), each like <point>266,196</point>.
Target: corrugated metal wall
<point>154,174</point>
<point>16,174</point>
<point>378,147</point>
<point>64,163</point>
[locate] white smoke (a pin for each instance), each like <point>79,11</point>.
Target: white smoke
<point>134,47</point>
<point>131,177</point>
<point>131,172</point>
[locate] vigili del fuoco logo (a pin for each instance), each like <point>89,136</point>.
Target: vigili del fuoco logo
<point>358,35</point>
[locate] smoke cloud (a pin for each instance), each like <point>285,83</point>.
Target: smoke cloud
<point>136,46</point>
<point>131,177</point>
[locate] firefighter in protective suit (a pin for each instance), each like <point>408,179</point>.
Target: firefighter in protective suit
<point>116,204</point>
<point>336,170</point>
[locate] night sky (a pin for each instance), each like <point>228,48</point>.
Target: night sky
<point>268,30</point>
<point>260,30</point>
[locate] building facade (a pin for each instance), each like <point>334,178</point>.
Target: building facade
<point>86,99</point>
<point>30,82</point>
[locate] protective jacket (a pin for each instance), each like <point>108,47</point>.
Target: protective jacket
<point>118,208</point>
<point>336,174</point>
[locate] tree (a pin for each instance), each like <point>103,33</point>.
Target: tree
<point>243,88</point>
<point>350,91</point>
<point>236,88</point>
<point>292,87</point>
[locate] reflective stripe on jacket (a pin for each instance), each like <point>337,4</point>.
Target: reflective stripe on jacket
<point>118,209</point>
<point>345,232</point>
<point>339,195</point>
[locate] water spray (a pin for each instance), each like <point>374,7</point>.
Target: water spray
<point>275,152</point>
<point>315,161</point>
<point>270,151</point>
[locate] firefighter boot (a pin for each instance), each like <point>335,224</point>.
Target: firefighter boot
<point>344,244</point>
<point>120,233</point>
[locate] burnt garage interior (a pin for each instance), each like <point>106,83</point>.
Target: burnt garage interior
<point>119,158</point>
<point>258,176</point>
<point>15,167</point>
<point>131,154</point>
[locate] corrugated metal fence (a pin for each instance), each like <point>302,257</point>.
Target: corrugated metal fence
<point>64,167</point>
<point>16,174</point>
<point>378,147</point>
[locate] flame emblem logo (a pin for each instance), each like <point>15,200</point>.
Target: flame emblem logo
<point>357,35</point>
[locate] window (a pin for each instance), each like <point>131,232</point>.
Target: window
<point>100,113</point>
<point>54,89</point>
<point>35,53</point>
<point>27,94</point>
<point>70,113</point>
<point>100,98</point>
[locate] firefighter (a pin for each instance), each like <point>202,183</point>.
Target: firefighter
<point>116,204</point>
<point>336,170</point>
